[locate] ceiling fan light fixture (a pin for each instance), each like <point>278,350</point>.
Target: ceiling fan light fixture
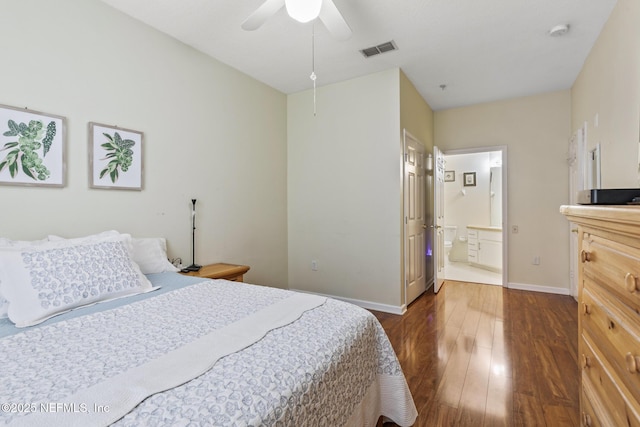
<point>303,10</point>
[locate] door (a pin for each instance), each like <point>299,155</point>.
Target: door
<point>438,218</point>
<point>414,190</point>
<point>577,166</point>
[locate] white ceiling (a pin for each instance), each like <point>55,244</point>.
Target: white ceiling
<point>482,50</point>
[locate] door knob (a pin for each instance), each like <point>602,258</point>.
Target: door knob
<point>424,226</point>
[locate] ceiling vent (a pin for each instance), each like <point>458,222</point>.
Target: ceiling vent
<point>381,48</point>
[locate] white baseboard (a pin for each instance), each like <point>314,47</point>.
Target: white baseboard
<point>538,288</point>
<point>386,308</point>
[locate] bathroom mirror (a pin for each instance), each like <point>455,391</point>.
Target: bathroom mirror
<point>495,188</point>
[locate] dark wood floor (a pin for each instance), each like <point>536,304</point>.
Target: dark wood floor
<point>482,355</point>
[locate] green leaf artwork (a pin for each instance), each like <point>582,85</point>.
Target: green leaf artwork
<point>119,154</point>
<point>23,153</point>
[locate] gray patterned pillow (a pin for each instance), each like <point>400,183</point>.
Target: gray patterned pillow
<point>41,282</point>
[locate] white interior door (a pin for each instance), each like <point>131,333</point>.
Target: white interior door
<point>414,191</point>
<point>438,218</point>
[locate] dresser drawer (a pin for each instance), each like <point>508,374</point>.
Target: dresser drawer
<point>596,375</point>
<point>614,335</point>
<point>588,416</point>
<point>614,266</point>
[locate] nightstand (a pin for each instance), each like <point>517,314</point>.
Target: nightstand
<point>221,271</point>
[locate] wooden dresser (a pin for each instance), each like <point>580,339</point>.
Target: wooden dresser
<point>609,313</point>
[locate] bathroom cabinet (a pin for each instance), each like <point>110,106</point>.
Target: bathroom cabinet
<point>484,247</point>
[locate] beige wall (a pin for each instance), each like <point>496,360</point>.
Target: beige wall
<point>345,186</point>
<point>416,115</point>
<point>343,189</point>
<point>536,131</point>
<point>210,132</point>
<point>609,86</point>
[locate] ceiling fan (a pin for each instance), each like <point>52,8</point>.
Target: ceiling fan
<point>302,11</point>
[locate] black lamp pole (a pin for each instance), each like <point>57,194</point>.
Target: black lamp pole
<point>193,266</point>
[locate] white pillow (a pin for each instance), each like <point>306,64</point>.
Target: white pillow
<point>41,282</point>
<point>4,242</point>
<point>89,238</point>
<point>151,255</point>
<point>4,307</point>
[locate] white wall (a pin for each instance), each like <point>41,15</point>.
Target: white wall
<point>608,87</point>
<point>210,132</point>
<point>536,130</point>
<point>344,189</point>
<point>467,205</point>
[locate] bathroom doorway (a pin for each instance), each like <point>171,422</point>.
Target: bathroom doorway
<point>475,215</point>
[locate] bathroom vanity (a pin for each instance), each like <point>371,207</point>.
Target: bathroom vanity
<point>484,247</point>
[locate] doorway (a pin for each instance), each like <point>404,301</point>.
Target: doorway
<point>474,226</point>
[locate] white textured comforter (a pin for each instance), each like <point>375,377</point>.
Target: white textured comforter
<point>332,366</point>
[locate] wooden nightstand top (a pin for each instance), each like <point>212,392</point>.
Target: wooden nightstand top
<point>221,271</point>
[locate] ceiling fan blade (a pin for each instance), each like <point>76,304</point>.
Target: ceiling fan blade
<point>261,14</point>
<point>333,20</point>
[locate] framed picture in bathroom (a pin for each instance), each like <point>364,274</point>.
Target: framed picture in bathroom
<point>469,179</point>
<point>449,176</point>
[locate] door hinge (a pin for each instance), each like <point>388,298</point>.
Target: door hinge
<point>406,220</point>
<point>406,157</point>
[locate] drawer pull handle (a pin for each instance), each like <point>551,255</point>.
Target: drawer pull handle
<point>586,361</point>
<point>630,282</point>
<point>633,363</point>
<point>586,309</point>
<point>585,256</point>
<point>586,419</point>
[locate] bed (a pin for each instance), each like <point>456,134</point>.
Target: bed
<point>179,350</point>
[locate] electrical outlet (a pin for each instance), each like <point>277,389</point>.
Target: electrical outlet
<point>314,265</point>
<point>515,229</point>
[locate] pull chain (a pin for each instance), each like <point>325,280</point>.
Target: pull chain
<point>313,65</point>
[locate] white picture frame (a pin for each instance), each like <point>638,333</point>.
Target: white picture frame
<point>32,148</point>
<point>115,158</point>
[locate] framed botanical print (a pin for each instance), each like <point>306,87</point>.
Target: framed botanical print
<point>115,157</point>
<point>449,176</point>
<point>32,148</point>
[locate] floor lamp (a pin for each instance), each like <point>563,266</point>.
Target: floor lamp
<point>193,266</point>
